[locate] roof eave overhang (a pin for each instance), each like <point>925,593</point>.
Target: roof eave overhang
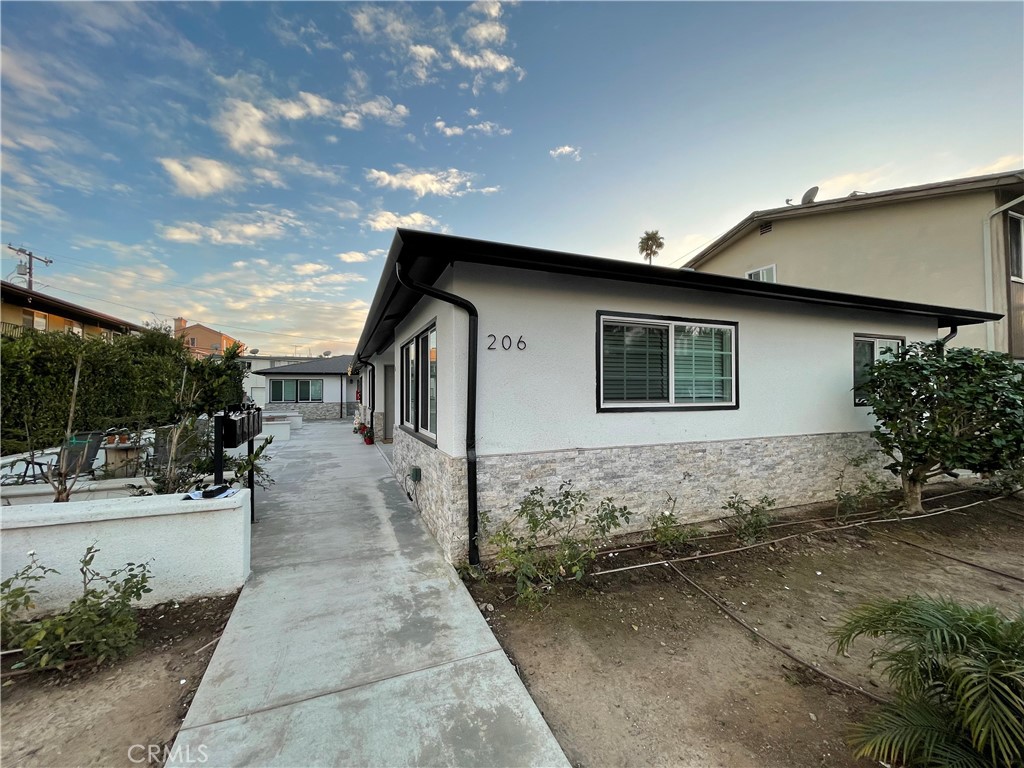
<point>425,255</point>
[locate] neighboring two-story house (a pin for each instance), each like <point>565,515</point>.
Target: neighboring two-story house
<point>201,340</point>
<point>951,243</point>
<point>21,308</point>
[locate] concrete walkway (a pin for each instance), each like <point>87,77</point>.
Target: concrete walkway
<point>354,643</point>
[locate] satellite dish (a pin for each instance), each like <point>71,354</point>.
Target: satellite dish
<point>326,354</point>
<point>809,196</point>
<point>254,351</point>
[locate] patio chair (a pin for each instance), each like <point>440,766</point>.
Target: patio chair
<point>78,454</point>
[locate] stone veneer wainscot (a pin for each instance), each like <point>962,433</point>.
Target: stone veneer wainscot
<point>793,469</point>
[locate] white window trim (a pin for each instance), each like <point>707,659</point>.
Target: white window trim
<point>670,324</point>
<point>760,270</point>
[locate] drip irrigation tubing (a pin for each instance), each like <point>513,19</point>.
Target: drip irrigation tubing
<point>952,557</point>
<point>811,532</point>
<point>728,612</point>
<point>781,524</point>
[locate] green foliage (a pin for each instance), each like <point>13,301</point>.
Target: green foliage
<point>939,411</point>
<point>131,381</point>
<point>750,520</point>
<point>959,675</point>
<point>257,462</point>
<point>100,625</point>
<point>666,529</point>
<point>866,493</point>
<point>551,540</point>
<point>650,244</point>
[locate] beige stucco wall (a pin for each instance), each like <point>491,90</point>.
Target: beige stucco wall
<point>928,251</point>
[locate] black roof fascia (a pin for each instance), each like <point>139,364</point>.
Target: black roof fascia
<point>424,256</point>
<point>326,366</point>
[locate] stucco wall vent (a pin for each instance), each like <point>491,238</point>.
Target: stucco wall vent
<point>765,228</point>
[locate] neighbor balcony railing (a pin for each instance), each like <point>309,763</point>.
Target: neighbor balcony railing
<point>11,330</point>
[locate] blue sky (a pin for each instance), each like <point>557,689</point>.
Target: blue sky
<point>244,165</point>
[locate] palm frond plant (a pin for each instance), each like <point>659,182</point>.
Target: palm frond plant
<point>958,672</point>
<point>650,244</point>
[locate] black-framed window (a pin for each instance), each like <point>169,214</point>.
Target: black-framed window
<point>419,382</point>
<point>762,274</point>
<point>296,390</point>
<point>1015,245</point>
<point>866,350</point>
<point>654,362</point>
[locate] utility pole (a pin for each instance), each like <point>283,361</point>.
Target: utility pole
<point>31,258</point>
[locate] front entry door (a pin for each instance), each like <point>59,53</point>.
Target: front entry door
<point>389,402</point>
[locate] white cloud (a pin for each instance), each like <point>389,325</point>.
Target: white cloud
<point>486,59</point>
<point>267,176</point>
<point>422,57</point>
<point>306,105</point>
<point>383,109</point>
<point>473,112</point>
<point>486,128</point>
<point>234,229</point>
<point>244,126</point>
<point>353,257</point>
<point>486,33</point>
<point>344,209</point>
<point>859,181</point>
<point>331,139</point>
<point>489,8</point>
<point>566,151</point>
<point>200,176</point>
<point>381,22</point>
<point>446,183</point>
<point>309,268</point>
<point>1004,163</point>
<point>385,220</point>
<point>306,36</point>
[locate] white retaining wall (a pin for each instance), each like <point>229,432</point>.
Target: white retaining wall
<point>195,548</point>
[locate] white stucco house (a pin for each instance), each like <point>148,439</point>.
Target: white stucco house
<point>496,368</point>
<point>319,388</point>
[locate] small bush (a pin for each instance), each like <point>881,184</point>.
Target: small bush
<point>551,540</point>
<point>959,674</point>
<point>99,625</point>
<point>751,520</point>
<point>666,529</point>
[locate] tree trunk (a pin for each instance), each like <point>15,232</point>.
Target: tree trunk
<point>912,488</point>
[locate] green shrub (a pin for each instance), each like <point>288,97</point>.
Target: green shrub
<point>958,672</point>
<point>100,625</point>
<point>750,520</point>
<point>666,529</point>
<point>551,540</point>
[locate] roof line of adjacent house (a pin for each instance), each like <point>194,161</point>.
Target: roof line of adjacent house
<point>327,366</point>
<point>855,200</point>
<point>51,304</point>
<point>424,256</point>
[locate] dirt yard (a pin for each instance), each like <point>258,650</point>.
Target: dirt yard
<point>638,669</point>
<point>96,716</point>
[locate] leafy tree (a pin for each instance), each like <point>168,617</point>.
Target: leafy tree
<point>939,411</point>
<point>650,244</point>
<point>959,675</point>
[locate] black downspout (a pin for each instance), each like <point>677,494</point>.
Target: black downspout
<point>947,338</point>
<point>474,318</point>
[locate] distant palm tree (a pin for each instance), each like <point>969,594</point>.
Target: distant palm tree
<point>650,244</point>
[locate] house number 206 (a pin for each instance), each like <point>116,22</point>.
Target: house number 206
<point>506,342</point>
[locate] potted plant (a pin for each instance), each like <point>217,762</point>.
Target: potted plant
<point>368,437</point>
<point>362,429</point>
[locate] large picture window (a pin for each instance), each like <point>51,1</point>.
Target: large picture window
<point>296,390</point>
<point>419,383</point>
<point>657,363</point>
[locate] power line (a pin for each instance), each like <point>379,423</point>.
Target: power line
<point>204,322</point>
<point>297,304</point>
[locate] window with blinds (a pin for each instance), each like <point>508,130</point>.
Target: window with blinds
<point>666,362</point>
